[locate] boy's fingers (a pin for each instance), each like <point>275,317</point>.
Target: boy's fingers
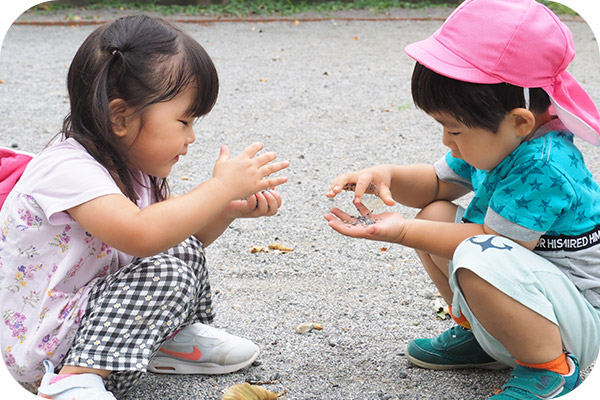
<point>362,184</point>
<point>362,209</point>
<point>344,216</point>
<point>386,195</point>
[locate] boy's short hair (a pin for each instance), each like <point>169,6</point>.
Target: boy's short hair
<point>472,104</point>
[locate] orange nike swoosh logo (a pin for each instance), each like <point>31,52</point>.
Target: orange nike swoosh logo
<point>195,355</point>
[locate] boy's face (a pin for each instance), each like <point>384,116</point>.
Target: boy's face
<point>479,147</point>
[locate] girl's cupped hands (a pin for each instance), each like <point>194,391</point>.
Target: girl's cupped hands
<point>261,204</point>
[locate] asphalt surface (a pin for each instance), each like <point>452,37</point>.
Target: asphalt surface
<point>329,96</point>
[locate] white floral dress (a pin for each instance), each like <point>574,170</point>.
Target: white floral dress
<point>48,262</point>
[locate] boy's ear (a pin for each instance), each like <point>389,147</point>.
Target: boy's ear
<point>119,111</point>
<point>523,121</point>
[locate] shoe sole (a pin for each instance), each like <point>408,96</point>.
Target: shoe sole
<point>170,365</point>
<point>495,365</point>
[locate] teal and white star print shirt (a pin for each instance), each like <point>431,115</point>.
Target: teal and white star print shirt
<point>542,190</point>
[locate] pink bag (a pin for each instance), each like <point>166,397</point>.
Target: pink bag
<point>12,165</point>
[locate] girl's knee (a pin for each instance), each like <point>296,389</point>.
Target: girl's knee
<point>165,273</point>
<point>191,253</point>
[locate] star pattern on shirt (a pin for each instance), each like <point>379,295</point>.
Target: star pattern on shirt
<point>535,191</point>
<point>545,204</point>
<point>535,185</point>
<point>575,159</point>
<point>556,182</point>
<point>522,202</point>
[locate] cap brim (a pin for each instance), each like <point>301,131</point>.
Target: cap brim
<point>575,108</point>
<point>438,58</point>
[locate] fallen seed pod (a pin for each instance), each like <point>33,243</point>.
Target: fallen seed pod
<point>245,391</point>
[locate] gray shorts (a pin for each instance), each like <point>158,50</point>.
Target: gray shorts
<point>534,282</point>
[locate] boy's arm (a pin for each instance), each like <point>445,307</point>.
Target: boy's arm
<point>412,185</point>
<point>418,185</point>
<point>434,237</point>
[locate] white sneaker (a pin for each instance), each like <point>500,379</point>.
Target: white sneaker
<point>201,349</point>
<point>75,387</point>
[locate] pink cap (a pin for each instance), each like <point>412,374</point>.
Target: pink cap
<point>520,42</point>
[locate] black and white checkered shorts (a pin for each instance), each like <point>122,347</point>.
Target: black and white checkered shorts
<point>132,312</point>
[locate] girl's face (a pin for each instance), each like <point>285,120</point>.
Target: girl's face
<point>480,148</point>
<point>159,136</point>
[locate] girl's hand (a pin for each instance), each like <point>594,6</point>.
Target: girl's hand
<point>374,180</point>
<point>265,203</point>
<point>385,227</point>
<point>247,173</point>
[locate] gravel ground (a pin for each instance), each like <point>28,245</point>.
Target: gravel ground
<point>329,96</point>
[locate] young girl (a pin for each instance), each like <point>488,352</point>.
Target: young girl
<point>523,280</point>
<point>102,273</point>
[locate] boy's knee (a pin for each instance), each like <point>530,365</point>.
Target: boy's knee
<point>442,210</point>
<point>469,281</point>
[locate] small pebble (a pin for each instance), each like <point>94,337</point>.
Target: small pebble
<point>304,328</point>
<point>362,220</point>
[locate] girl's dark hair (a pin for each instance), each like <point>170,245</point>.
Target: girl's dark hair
<point>143,61</point>
<point>472,104</point>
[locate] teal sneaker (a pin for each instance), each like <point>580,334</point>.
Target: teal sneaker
<point>533,384</point>
<point>453,349</point>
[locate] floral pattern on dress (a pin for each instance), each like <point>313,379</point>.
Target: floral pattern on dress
<point>14,321</point>
<point>73,271</point>
<point>32,299</point>
<point>29,221</point>
<point>23,275</point>
<point>29,252</point>
<point>9,358</point>
<point>103,272</point>
<point>5,228</point>
<point>62,240</point>
<point>105,250</point>
<point>48,345</point>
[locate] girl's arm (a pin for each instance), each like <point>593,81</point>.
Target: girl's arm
<point>261,204</point>
<point>119,222</point>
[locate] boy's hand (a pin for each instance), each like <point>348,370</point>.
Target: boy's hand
<point>385,227</point>
<point>265,203</point>
<point>374,180</point>
<point>248,173</point>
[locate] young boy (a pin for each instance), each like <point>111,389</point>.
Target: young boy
<point>524,273</point>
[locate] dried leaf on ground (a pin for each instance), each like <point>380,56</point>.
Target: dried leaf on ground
<point>441,310</point>
<point>257,249</point>
<point>245,391</point>
<point>280,247</point>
